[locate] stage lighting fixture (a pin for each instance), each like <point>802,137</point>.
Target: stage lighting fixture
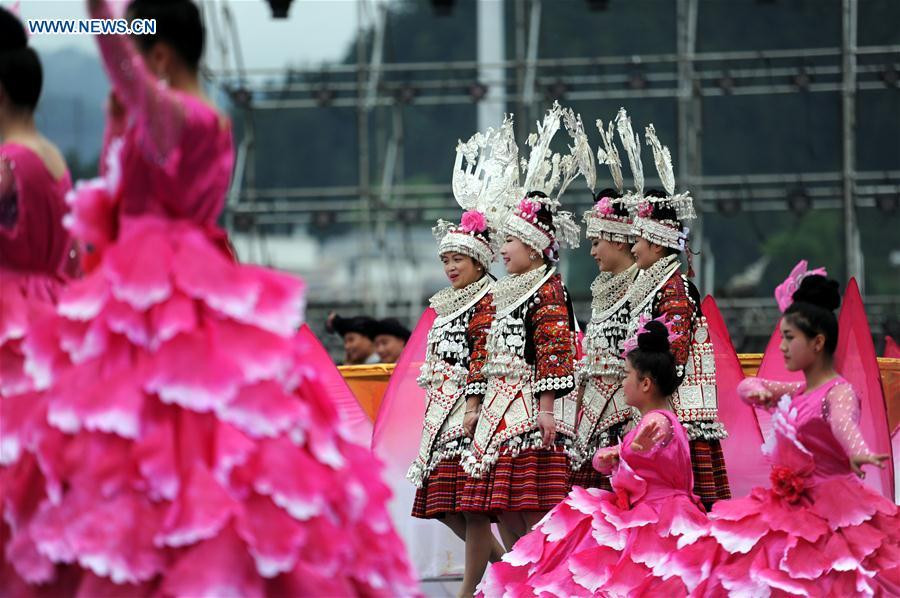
<point>323,219</point>
<point>244,222</point>
<point>802,80</point>
<point>888,204</point>
<point>726,83</point>
<point>406,93</point>
<point>729,206</point>
<point>799,201</point>
<point>889,76</point>
<point>241,96</point>
<point>280,8</point>
<point>324,96</point>
<point>477,91</point>
<point>638,81</point>
<point>557,90</point>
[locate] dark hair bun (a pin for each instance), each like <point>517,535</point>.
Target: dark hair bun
<point>12,32</point>
<point>655,339</point>
<point>819,291</point>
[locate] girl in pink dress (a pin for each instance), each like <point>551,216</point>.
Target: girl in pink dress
<point>33,184</point>
<point>817,530</point>
<point>181,448</point>
<point>647,537</point>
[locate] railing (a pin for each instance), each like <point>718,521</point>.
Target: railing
<point>368,382</point>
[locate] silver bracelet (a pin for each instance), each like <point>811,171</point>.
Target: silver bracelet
<point>468,411</point>
<point>546,413</point>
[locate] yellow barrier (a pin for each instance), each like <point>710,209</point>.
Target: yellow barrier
<point>368,382</point>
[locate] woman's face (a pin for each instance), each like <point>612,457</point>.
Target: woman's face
<point>608,255</point>
<point>646,253</point>
<point>518,257</point>
<point>799,351</point>
<point>461,270</point>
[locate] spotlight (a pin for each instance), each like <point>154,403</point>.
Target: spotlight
<point>324,96</point>
<point>406,93</point>
<point>798,201</point>
<point>728,206</point>
<point>409,216</point>
<point>638,81</point>
<point>888,204</point>
<point>802,80</point>
<point>280,8</point>
<point>477,91</point>
<point>889,76</point>
<point>557,90</point>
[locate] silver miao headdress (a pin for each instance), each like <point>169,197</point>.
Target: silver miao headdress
<point>485,174</point>
<point>547,172</point>
<point>601,220</point>
<point>647,224</point>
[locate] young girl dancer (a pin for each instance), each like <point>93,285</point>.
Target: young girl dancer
<point>817,530</point>
<point>627,542</point>
<point>181,449</point>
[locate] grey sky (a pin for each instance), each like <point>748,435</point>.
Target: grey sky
<point>316,30</point>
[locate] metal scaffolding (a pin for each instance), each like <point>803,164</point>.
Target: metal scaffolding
<point>686,77</point>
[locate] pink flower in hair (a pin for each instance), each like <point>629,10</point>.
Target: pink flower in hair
<point>645,209</point>
<point>528,209</point>
<point>632,343</point>
<point>604,207</point>
<point>784,293</point>
<point>473,221</point>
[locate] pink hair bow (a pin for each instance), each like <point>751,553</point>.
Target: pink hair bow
<point>784,293</point>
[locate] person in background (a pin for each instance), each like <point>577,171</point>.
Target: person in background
<point>358,333</point>
<point>390,339</point>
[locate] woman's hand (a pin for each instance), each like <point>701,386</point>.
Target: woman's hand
<point>470,419</point>
<point>606,459</point>
<point>547,425</point>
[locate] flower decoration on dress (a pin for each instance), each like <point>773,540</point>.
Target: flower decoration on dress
<point>784,293</point>
<point>787,483</point>
<point>791,462</point>
<point>632,343</point>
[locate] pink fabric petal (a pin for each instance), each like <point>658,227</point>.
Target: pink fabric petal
<point>138,266</point>
<point>280,306</point>
<point>559,522</point>
<point>842,503</point>
<point>217,567</point>
<point>201,510</point>
<point>84,298</point>
<point>592,568</point>
<point>303,496</point>
<point>154,452</point>
<point>124,319</point>
<point>272,535</point>
<point>177,377</point>
<point>171,317</point>
<point>528,549</point>
<point>202,272</point>
<point>258,353</point>
<point>263,409</point>
<point>31,565</point>
<point>232,449</point>
<point>739,536</point>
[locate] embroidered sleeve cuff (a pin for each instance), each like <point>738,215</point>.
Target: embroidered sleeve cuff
<point>476,388</point>
<point>564,383</point>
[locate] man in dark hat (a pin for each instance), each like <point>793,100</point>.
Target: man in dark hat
<point>358,333</point>
<point>390,338</point>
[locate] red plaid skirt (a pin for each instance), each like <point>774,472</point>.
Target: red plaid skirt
<point>440,491</point>
<point>588,477</point>
<point>710,477</point>
<point>533,480</point>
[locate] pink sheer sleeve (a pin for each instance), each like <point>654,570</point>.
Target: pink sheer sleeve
<point>9,198</point>
<point>765,393</point>
<point>148,100</point>
<point>661,438</point>
<point>841,411</point>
